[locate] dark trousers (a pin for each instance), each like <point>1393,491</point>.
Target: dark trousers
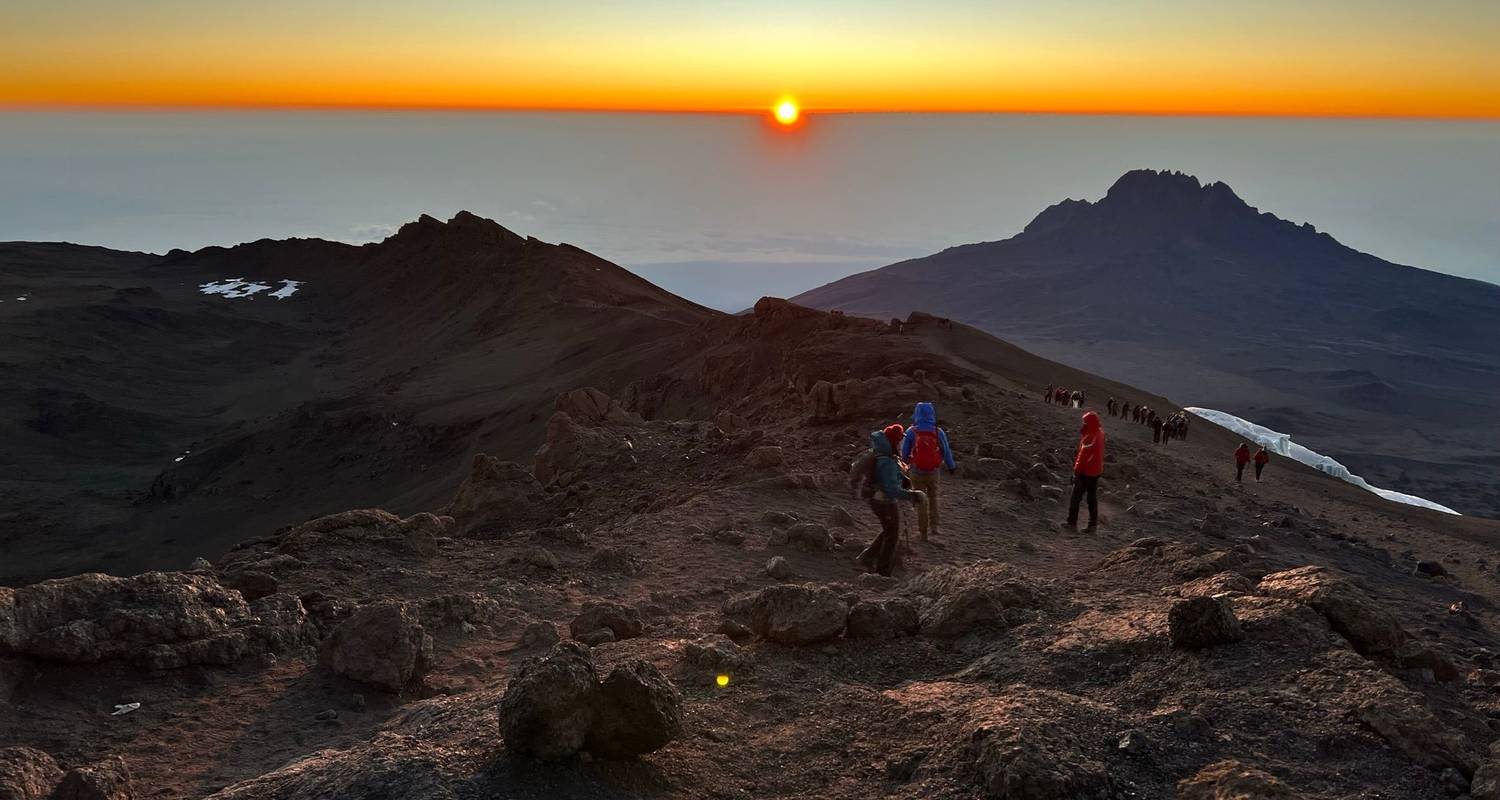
<point>1084,485</point>
<point>1258,468</point>
<point>885,544</point>
<point>1239,471</point>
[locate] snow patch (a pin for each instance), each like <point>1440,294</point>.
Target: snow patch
<point>236,288</point>
<point>1282,444</point>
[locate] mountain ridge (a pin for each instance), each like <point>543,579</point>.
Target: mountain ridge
<point>1169,283</point>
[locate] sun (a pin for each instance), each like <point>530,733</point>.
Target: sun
<point>787,112</point>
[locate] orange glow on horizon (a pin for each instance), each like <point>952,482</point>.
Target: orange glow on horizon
<point>1278,58</point>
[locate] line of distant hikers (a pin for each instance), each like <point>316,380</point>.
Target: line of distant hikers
<point>905,464</point>
<point>1163,429</point>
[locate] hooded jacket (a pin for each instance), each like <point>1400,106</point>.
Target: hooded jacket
<point>1242,454</point>
<point>1090,459</point>
<point>887,473</point>
<point>924,418</point>
<point>1262,456</point>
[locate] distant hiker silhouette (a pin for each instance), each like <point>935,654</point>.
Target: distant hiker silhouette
<point>1088,465</point>
<point>881,486</point>
<point>1241,458</point>
<point>925,450</point>
<point>1047,398</point>
<point>1261,459</point>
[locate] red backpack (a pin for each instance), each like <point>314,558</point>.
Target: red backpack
<point>927,452</point>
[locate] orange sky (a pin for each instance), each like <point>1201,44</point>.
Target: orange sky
<point>1338,57</point>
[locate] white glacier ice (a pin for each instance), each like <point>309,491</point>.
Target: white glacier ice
<point>288,288</point>
<point>1282,444</point>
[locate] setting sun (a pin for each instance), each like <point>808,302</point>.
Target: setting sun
<point>786,112</point>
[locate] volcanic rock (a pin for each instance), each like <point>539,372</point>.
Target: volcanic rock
<point>798,614</point>
<point>1199,622</point>
<point>383,645</point>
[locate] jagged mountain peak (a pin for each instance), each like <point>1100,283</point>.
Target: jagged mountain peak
<point>1149,199</point>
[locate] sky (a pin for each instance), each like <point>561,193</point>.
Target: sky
<point>1283,57</point>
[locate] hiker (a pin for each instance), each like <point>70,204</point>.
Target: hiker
<point>926,450</point>
<point>1048,396</point>
<point>1110,405</point>
<point>880,483</point>
<point>1241,458</point>
<point>1125,410</point>
<point>1088,465</point>
<point>1156,427</point>
<point>1262,458</point>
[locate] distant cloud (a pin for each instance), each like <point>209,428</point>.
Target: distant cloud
<point>544,205</point>
<point>371,233</point>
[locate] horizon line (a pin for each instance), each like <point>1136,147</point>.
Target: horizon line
<point>108,107</point>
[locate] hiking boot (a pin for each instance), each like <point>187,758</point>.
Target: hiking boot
<point>1092,526</point>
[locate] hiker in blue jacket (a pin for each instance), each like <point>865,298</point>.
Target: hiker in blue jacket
<point>883,489</point>
<point>926,452</point>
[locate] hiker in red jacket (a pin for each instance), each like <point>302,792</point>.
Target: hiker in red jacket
<point>1088,465</point>
<point>1241,458</point>
<point>1262,458</point>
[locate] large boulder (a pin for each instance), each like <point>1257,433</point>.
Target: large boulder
<point>159,620</point>
<point>1368,626</point>
<point>1231,780</point>
<point>556,706</point>
<point>383,645</point>
<point>1035,744</point>
<point>107,780</point>
<point>764,457</point>
<point>1199,622</point>
<point>27,774</point>
<point>549,706</point>
<point>497,497</point>
<point>638,711</point>
<point>623,621</point>
<point>888,618</point>
<point>714,655</point>
<point>973,597</point>
<point>798,614</point>
<point>810,536</point>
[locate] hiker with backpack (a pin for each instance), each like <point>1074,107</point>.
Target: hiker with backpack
<point>1262,458</point>
<point>1241,458</point>
<point>1088,465</point>
<point>876,477</point>
<point>925,451</point>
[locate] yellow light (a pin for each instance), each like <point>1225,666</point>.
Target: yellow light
<point>722,680</point>
<point>787,112</point>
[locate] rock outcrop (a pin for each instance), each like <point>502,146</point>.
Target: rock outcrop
<point>798,614</point>
<point>27,773</point>
<point>1365,623</point>
<point>159,620</point>
<point>383,645</point>
<point>556,706</point>
<point>1198,622</point>
<point>498,497</point>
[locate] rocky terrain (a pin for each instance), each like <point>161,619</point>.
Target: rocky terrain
<point>149,421</point>
<point>650,592</point>
<point>1181,287</point>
